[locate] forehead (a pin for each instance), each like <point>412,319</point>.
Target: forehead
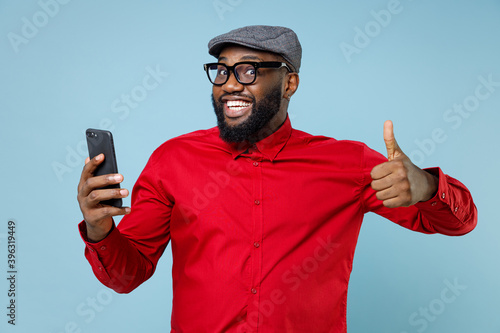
<point>234,53</point>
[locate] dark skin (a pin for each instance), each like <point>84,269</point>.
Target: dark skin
<point>98,217</point>
<point>266,78</point>
<point>398,182</point>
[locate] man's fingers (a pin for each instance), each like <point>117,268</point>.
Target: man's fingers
<point>92,183</point>
<point>391,197</point>
<point>91,193</point>
<point>382,183</point>
<point>103,212</point>
<point>97,196</point>
<point>383,169</point>
<point>393,203</point>
<point>388,193</point>
<point>378,172</point>
<point>92,209</point>
<point>89,168</point>
<point>394,196</point>
<point>391,145</point>
<point>92,164</point>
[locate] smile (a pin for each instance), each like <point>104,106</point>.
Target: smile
<point>236,108</point>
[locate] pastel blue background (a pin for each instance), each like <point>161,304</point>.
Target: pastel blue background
<point>72,72</point>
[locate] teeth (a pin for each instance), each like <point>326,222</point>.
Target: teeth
<point>237,104</point>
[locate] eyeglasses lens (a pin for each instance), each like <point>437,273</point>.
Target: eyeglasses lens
<point>245,73</point>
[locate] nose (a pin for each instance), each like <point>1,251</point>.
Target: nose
<point>232,84</point>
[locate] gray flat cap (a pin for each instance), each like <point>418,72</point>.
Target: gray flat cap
<point>280,40</point>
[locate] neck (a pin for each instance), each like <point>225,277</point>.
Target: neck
<point>272,126</point>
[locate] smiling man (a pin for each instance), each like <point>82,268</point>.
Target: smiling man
<point>263,219</point>
<point>239,116</point>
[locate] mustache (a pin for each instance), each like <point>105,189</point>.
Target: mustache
<point>236,95</point>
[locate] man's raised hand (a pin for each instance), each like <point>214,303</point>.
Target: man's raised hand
<point>398,182</point>
<point>98,217</point>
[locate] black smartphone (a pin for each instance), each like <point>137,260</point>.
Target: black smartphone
<point>100,141</point>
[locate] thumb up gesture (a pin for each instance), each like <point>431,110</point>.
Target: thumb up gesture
<point>398,182</point>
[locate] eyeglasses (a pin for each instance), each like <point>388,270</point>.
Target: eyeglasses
<point>245,72</point>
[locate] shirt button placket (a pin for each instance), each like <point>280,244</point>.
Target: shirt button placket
<point>257,212</point>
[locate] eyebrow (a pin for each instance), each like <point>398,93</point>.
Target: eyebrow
<point>247,57</point>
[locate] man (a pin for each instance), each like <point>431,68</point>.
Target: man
<point>263,218</point>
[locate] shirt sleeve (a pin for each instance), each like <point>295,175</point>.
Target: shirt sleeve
<point>450,212</point>
<point>128,255</point>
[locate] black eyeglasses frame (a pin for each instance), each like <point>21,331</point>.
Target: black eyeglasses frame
<point>256,65</point>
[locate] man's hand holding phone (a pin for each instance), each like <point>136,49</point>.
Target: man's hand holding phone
<point>90,194</point>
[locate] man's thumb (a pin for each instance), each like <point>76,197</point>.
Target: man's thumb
<point>393,149</point>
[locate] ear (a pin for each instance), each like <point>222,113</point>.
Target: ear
<point>291,84</point>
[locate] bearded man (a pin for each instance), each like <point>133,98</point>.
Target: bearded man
<point>263,219</point>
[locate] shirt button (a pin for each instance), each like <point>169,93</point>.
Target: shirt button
<point>456,209</point>
<point>100,268</point>
<point>254,291</point>
<point>257,202</point>
<point>256,244</point>
<point>255,164</point>
<point>103,247</point>
<point>434,203</point>
<point>443,195</point>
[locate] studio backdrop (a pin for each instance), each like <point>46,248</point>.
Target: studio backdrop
<point>135,68</point>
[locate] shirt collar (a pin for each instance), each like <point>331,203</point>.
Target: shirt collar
<point>270,146</point>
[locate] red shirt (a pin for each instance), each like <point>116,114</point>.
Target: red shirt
<point>263,236</point>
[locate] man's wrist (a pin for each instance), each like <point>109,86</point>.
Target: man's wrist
<point>96,234</point>
<point>432,186</point>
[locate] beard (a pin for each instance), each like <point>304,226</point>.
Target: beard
<point>253,128</point>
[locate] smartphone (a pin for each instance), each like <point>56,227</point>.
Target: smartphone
<point>100,141</point>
